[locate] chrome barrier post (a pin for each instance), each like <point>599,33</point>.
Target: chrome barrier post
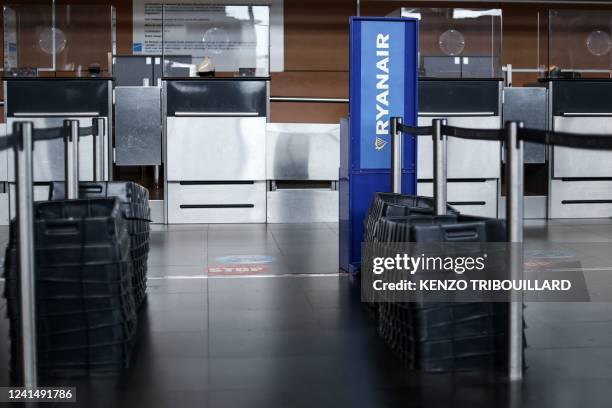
<point>71,154</point>
<point>98,146</point>
<point>514,227</point>
<point>396,155</point>
<point>156,176</point>
<point>440,166</point>
<point>23,131</point>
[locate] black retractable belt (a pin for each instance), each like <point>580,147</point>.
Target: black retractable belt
<point>415,130</point>
<point>7,142</point>
<point>582,141</point>
<point>49,134</point>
<point>474,134</point>
<point>45,134</point>
<point>87,131</point>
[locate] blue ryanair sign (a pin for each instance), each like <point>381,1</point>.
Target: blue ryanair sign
<point>382,89</point>
<point>383,84</point>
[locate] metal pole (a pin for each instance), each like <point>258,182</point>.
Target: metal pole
<point>439,160</point>
<point>156,176</point>
<point>25,228</point>
<point>98,144</point>
<point>396,155</point>
<point>509,75</point>
<point>71,152</point>
<point>514,226</point>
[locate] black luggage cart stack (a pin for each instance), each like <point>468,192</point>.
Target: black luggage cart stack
<point>440,336</point>
<point>134,201</point>
<point>86,315</point>
<point>419,209</point>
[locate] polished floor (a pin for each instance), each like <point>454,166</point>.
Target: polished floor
<point>258,316</point>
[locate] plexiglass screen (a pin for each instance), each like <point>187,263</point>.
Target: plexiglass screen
<point>580,44</point>
<point>458,42</point>
<point>61,40</point>
<point>206,40</point>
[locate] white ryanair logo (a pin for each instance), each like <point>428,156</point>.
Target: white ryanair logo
<point>382,89</point>
<point>380,143</point>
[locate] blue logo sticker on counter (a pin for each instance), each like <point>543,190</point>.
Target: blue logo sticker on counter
<point>382,89</point>
<point>246,259</point>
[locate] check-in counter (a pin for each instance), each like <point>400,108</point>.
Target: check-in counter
<point>215,149</point>
<point>581,179</point>
<point>302,162</point>
<point>474,166</point>
<point>47,102</point>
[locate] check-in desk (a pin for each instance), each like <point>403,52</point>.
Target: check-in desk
<point>47,102</point>
<point>474,166</point>
<point>215,149</point>
<point>581,179</point>
<point>302,163</point>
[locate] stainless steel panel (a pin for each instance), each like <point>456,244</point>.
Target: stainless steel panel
<point>216,194</point>
<point>300,206</point>
<point>138,126</point>
<point>41,193</point>
<point>49,154</point>
<point>528,105</point>
<point>466,158</point>
<point>4,155</point>
<point>4,209</point>
<point>157,211</point>
<point>478,198</point>
<point>535,207</point>
<point>580,190</point>
<point>216,148</point>
<point>301,151</point>
<point>569,162</point>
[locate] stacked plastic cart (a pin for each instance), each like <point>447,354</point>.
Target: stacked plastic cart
<point>134,204</point>
<point>437,336</point>
<point>90,257</point>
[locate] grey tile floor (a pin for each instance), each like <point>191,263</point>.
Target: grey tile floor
<point>293,333</point>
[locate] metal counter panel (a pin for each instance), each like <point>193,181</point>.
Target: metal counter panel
<point>4,155</point>
<point>216,203</point>
<point>465,158</point>
<point>302,206</point>
<point>47,96</point>
<point>217,97</point>
<point>528,105</point>
<point>41,193</point>
<point>138,126</point>
<point>48,158</point>
<point>581,96</point>
<point>579,163</point>
<point>212,148</point>
<point>580,199</point>
<point>300,151</point>
<point>448,95</point>
<point>469,197</point>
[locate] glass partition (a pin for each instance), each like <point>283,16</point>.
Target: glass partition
<point>208,40</point>
<point>58,40</point>
<point>579,44</point>
<point>458,42</point>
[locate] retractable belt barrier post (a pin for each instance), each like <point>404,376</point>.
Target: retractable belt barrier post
<point>71,152</point>
<point>98,129</point>
<point>440,166</point>
<point>23,133</point>
<point>396,155</point>
<point>22,141</point>
<point>514,230</point>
